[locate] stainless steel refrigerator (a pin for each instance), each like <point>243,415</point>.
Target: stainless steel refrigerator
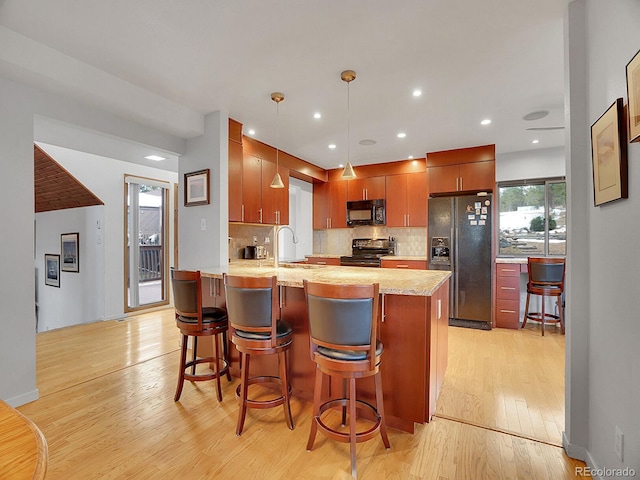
<point>460,240</point>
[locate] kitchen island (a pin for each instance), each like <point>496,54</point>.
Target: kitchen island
<point>414,311</point>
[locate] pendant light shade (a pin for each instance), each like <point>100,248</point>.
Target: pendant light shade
<point>277,179</point>
<point>348,76</point>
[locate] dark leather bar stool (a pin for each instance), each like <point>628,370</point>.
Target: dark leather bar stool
<point>343,324</point>
<point>194,320</point>
<point>253,304</point>
<point>546,278</point>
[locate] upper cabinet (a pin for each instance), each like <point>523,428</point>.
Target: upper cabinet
<point>260,202</point>
<point>406,202</point>
<point>367,188</point>
<point>462,170</point>
<point>251,199</point>
<point>330,205</point>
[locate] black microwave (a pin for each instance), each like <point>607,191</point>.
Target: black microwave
<point>365,212</point>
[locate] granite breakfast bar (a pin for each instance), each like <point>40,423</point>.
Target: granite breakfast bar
<point>414,321</point>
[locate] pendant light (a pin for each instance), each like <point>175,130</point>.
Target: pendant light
<point>348,76</point>
<point>277,180</point>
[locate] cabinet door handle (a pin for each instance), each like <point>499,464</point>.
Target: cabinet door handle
<point>383,309</point>
<point>242,213</point>
<point>508,269</point>
<point>461,184</point>
<point>408,221</point>
<point>330,222</point>
<point>260,212</point>
<point>457,184</point>
<point>402,266</point>
<point>507,311</point>
<point>277,212</point>
<point>322,263</point>
<point>508,288</point>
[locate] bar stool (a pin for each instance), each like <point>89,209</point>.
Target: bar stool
<point>546,278</point>
<point>194,320</point>
<point>253,306</point>
<point>343,340</point>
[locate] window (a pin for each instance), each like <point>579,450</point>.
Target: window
<point>532,218</point>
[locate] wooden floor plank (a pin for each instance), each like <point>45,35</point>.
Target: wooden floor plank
<point>107,412</point>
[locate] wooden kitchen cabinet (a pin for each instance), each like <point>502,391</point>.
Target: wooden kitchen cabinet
<point>464,177</point>
<point>507,302</point>
<point>235,181</point>
<point>275,201</point>
<point>407,264</point>
<point>406,201</point>
<point>261,203</point>
<point>323,260</point>
<point>367,188</point>
<point>330,205</point>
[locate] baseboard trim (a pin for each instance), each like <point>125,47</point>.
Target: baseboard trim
<point>23,398</point>
<point>580,453</point>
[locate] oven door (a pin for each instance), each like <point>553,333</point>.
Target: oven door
<point>359,262</point>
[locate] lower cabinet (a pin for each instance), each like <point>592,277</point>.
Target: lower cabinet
<point>507,301</point>
<point>323,260</point>
<point>408,264</point>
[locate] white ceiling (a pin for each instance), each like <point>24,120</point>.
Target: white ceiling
<point>168,62</point>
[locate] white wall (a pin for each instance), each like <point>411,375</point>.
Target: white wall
<point>300,220</point>
<point>80,298</point>
<point>19,106</point>
<point>603,327</point>
<point>530,164</point>
<point>105,178</point>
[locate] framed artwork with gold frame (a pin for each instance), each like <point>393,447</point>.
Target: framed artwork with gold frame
<point>633,97</point>
<point>609,155</point>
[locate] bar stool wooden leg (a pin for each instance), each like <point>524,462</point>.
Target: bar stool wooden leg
<point>243,392</point>
<point>377,379</point>
<point>282,360</point>
<point>317,396</point>
<point>225,350</point>
<point>183,362</point>
<point>217,353</point>
<point>352,424</point>
<point>561,314</point>
<point>526,311</point>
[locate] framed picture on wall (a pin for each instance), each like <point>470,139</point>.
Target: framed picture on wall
<point>69,249</point>
<point>609,155</point>
<point>52,270</point>
<point>633,97</point>
<point>196,188</point>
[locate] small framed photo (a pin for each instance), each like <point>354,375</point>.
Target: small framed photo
<point>609,155</point>
<point>69,249</point>
<point>633,97</point>
<point>52,270</point>
<point>196,188</point>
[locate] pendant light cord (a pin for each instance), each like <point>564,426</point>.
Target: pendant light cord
<point>348,122</point>
<point>277,133</point>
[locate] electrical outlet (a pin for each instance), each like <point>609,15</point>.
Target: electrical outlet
<point>619,445</point>
<point>203,224</point>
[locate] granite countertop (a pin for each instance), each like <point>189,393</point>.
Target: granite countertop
<point>323,255</point>
<point>392,281</point>
<point>521,260</point>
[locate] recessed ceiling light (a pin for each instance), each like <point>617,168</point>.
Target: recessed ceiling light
<point>410,157</point>
<point>317,115</point>
<point>252,132</point>
<point>332,146</point>
<point>341,165</point>
<point>535,141</point>
<point>486,121</point>
<point>402,135</point>
<point>367,141</point>
<point>417,92</point>
<point>155,158</point>
<point>537,115</point>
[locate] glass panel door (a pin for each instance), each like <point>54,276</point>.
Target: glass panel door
<point>146,251</point>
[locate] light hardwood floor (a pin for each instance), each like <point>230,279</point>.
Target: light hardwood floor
<point>106,408</point>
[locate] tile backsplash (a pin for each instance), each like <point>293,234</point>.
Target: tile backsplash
<point>337,241</point>
<point>241,235</point>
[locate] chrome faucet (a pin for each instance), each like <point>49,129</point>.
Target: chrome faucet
<point>276,248</point>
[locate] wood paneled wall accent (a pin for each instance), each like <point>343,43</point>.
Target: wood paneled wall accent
<point>55,188</point>
<point>298,168</point>
<point>382,169</point>
<point>461,155</point>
